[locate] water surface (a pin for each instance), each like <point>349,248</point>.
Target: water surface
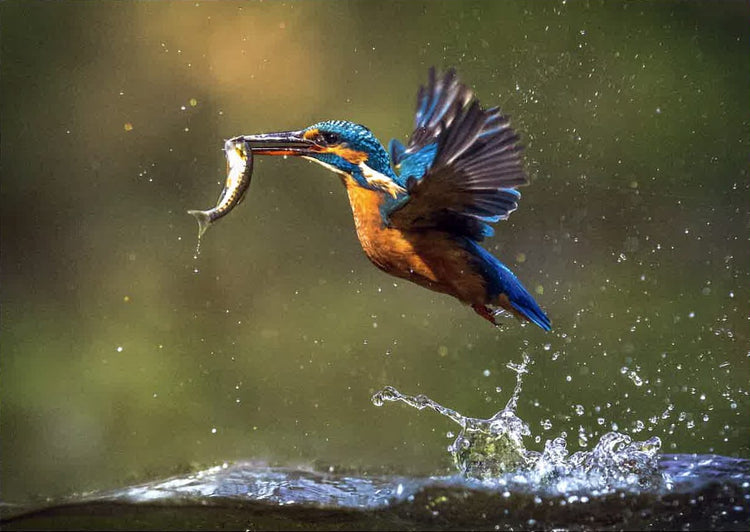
<point>709,492</point>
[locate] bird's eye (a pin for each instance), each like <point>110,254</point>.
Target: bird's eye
<point>330,138</point>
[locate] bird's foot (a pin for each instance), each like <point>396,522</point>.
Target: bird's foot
<point>487,313</point>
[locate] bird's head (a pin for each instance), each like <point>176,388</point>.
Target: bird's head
<point>344,147</point>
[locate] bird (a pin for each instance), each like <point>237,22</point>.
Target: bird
<point>422,209</point>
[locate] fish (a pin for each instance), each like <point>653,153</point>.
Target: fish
<point>239,171</point>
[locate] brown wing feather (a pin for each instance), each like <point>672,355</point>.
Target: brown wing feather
<point>477,166</point>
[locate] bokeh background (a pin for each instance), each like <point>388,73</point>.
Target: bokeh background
<point>121,363</point>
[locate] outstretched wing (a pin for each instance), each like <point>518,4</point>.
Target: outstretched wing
<point>461,165</point>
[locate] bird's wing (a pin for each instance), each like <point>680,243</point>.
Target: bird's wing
<point>461,166</point>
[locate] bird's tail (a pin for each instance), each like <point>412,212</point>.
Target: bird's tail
<point>503,282</point>
<point>204,220</point>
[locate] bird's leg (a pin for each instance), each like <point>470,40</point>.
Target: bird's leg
<point>486,312</point>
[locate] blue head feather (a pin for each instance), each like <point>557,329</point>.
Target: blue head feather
<point>356,137</point>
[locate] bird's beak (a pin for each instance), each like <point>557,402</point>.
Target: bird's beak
<point>283,143</point>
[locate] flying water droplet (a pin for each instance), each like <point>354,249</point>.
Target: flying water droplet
<point>635,378</point>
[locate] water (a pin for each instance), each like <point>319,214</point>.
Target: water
<point>619,483</point>
<point>706,492</point>
<point>487,449</point>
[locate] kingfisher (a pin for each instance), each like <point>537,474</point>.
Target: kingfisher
<point>421,209</point>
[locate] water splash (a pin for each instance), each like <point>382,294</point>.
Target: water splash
<point>492,449</point>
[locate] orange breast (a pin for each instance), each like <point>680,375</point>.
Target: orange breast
<point>430,259</point>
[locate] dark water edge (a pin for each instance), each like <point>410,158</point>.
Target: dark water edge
<point>707,492</point>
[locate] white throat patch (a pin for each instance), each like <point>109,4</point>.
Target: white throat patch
<point>372,176</point>
<point>381,181</point>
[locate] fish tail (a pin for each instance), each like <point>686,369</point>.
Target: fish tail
<point>502,283</point>
<point>204,220</point>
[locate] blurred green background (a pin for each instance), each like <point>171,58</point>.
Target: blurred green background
<point>120,363</point>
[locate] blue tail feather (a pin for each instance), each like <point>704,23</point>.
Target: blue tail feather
<point>500,280</point>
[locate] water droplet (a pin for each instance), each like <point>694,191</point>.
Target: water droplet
<point>633,376</point>
<point>583,439</point>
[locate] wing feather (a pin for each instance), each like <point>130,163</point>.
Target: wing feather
<point>461,165</point>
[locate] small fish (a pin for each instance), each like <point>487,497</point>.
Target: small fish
<point>240,168</point>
